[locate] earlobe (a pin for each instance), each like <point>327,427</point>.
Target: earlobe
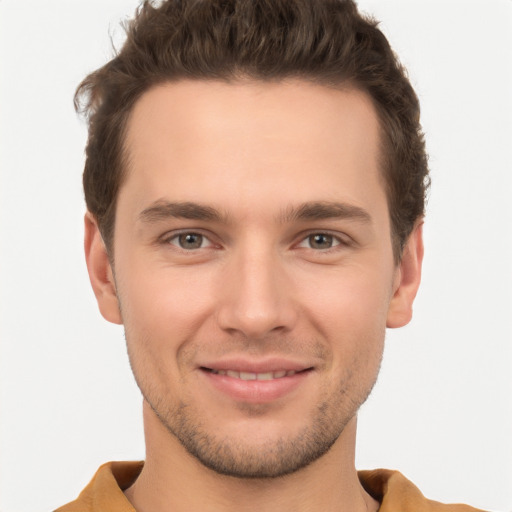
<point>100,271</point>
<point>408,280</point>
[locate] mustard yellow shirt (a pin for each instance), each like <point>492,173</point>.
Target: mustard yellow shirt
<point>393,491</point>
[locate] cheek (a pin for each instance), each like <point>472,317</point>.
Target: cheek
<point>164,302</point>
<point>351,299</point>
<point>161,312</point>
<point>350,311</point>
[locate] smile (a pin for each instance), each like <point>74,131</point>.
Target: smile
<point>254,376</point>
<point>261,385</point>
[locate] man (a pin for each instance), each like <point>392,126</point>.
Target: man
<point>255,184</point>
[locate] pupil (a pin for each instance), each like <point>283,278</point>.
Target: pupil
<point>191,241</point>
<point>321,241</point>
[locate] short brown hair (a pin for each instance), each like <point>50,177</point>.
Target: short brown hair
<point>324,41</point>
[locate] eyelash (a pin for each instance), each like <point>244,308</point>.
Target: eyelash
<point>338,241</point>
<point>167,239</point>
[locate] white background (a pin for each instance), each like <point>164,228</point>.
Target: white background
<point>442,410</point>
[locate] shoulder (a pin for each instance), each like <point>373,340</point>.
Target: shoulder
<point>395,492</point>
<point>105,490</point>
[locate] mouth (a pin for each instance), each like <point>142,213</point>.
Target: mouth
<point>256,385</point>
<point>244,375</point>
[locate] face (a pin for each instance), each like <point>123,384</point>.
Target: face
<point>253,267</point>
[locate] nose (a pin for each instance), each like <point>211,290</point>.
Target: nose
<point>256,296</point>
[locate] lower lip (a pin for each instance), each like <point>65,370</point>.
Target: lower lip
<point>256,391</point>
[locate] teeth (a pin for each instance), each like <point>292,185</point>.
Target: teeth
<point>255,376</point>
<point>265,376</point>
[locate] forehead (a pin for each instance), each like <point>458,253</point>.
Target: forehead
<point>212,142</point>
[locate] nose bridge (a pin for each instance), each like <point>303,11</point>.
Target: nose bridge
<point>255,299</point>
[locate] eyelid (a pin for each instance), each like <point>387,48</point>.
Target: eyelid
<point>167,237</point>
<point>342,239</point>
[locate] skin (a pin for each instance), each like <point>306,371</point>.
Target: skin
<point>287,262</point>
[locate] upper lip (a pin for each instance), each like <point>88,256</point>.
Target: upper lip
<point>256,366</point>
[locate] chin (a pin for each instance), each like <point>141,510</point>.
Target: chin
<point>261,449</point>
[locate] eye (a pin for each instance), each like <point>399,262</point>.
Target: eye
<point>320,241</point>
<point>190,241</point>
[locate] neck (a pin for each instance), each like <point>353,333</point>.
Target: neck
<point>173,480</point>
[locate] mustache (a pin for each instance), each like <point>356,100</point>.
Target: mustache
<point>270,346</point>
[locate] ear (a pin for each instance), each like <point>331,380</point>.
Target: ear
<point>407,280</point>
<point>100,271</point>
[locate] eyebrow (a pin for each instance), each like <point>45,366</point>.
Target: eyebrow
<point>323,210</point>
<point>313,210</point>
<point>162,210</point>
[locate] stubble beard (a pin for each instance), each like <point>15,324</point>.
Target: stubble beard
<point>225,456</point>
<point>280,457</point>
<point>272,458</point>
